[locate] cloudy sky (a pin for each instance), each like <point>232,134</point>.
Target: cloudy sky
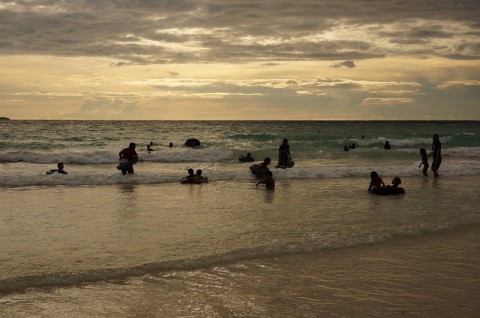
<point>240,59</point>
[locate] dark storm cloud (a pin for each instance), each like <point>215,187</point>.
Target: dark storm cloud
<point>154,31</point>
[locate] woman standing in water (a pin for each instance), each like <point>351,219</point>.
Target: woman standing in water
<point>284,157</point>
<point>436,153</point>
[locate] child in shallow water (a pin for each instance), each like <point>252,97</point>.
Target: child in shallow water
<point>424,162</point>
<point>396,182</point>
<point>375,181</point>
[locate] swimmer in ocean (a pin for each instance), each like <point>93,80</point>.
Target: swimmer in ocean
<point>60,170</point>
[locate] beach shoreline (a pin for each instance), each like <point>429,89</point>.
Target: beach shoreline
<point>387,279</point>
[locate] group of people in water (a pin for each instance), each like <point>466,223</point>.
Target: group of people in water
<point>378,186</point>
<point>262,171</point>
<point>128,157</point>
<point>193,177</point>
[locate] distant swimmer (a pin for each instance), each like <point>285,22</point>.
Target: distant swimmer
<point>424,162</point>
<point>128,157</point>
<point>345,148</point>
<point>190,178</point>
<point>199,178</point>
<point>150,146</point>
<point>390,189</point>
<point>268,181</point>
<point>247,158</point>
<point>170,145</point>
<point>387,145</point>
<point>60,170</point>
<point>192,142</point>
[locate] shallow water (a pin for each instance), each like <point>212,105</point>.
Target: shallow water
<point>94,243</point>
<point>69,235</point>
<point>227,249</point>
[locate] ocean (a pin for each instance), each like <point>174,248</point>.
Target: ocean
<point>96,243</point>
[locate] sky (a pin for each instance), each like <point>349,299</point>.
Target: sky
<point>240,59</point>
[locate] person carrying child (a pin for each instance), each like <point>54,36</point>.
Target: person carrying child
<point>127,158</point>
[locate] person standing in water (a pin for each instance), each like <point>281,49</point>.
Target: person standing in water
<point>284,157</point>
<point>128,157</point>
<point>424,162</point>
<point>436,154</point>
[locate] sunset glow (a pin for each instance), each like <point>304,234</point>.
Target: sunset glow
<point>232,60</point>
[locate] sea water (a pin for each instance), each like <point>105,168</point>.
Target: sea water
<point>90,149</point>
<point>97,243</point>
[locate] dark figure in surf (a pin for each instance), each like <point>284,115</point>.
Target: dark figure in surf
<point>190,178</point>
<point>247,158</point>
<point>436,154</point>
<point>128,157</point>
<point>260,169</point>
<point>199,178</point>
<point>395,182</point>
<point>424,162</point>
<point>375,181</point>
<point>59,169</point>
<point>149,146</point>
<point>268,181</point>
<point>284,157</point>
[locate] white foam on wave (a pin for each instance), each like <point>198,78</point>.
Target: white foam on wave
<point>457,152</point>
<point>105,157</point>
<point>153,173</point>
<point>405,142</point>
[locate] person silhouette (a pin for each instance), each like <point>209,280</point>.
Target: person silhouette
<point>436,154</point>
<point>60,167</point>
<point>127,158</point>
